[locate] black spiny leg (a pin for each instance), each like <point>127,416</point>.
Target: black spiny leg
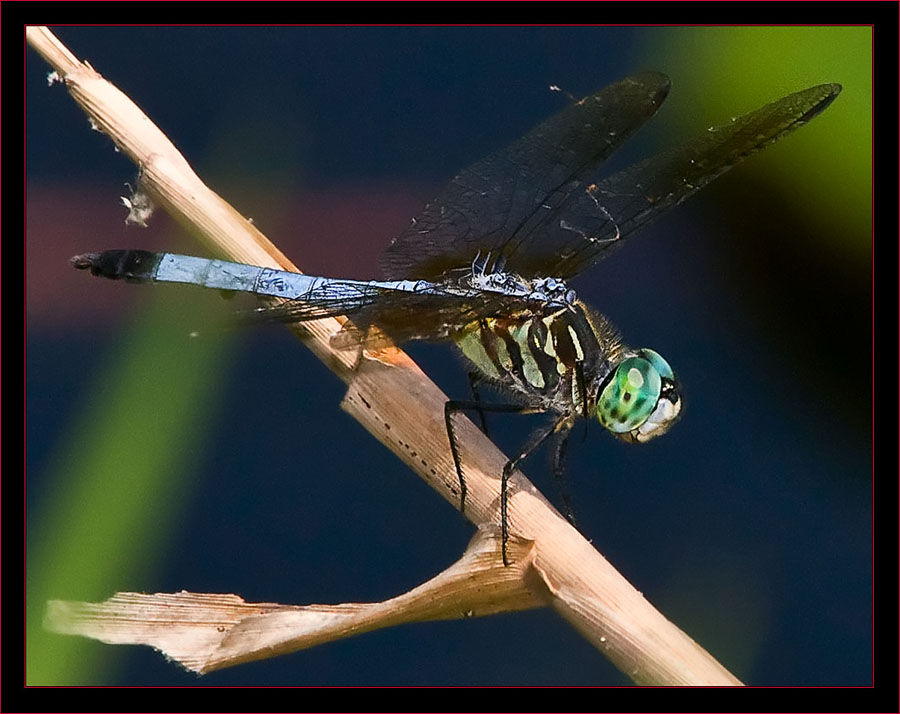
<point>474,380</point>
<point>453,406</point>
<point>538,438</point>
<point>560,452</point>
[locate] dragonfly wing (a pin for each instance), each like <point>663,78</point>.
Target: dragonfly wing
<point>505,193</point>
<point>400,315</point>
<point>599,216</point>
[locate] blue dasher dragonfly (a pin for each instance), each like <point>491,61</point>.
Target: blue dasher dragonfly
<point>485,266</point>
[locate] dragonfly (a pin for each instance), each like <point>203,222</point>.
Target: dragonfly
<point>486,265</point>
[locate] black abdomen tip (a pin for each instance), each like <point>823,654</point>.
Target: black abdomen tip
<point>118,264</point>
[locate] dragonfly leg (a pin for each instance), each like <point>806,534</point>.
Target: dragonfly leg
<point>474,381</point>
<point>530,447</point>
<point>560,451</point>
<point>454,451</point>
<point>538,438</point>
<point>454,406</point>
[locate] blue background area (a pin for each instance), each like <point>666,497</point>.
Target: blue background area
<point>749,525</point>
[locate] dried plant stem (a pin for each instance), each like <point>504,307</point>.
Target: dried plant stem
<point>204,632</point>
<point>402,408</point>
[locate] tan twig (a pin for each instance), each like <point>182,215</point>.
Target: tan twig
<point>205,632</point>
<point>402,408</point>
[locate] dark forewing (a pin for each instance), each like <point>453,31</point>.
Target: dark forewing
<point>594,219</point>
<point>401,315</point>
<point>501,204</point>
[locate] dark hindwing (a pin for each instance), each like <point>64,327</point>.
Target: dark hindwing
<point>601,216</point>
<point>399,315</point>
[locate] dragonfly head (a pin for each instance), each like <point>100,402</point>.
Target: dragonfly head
<point>640,399</point>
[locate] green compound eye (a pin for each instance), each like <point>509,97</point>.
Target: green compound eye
<point>630,397</point>
<point>661,366</point>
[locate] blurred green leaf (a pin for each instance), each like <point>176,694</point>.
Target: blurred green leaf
<point>720,72</point>
<point>121,477</point>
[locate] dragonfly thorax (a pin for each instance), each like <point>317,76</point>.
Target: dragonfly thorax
<point>553,358</point>
<point>551,291</point>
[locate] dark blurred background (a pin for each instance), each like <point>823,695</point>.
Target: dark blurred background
<point>156,462</point>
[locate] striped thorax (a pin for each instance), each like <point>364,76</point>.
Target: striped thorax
<point>571,361</point>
